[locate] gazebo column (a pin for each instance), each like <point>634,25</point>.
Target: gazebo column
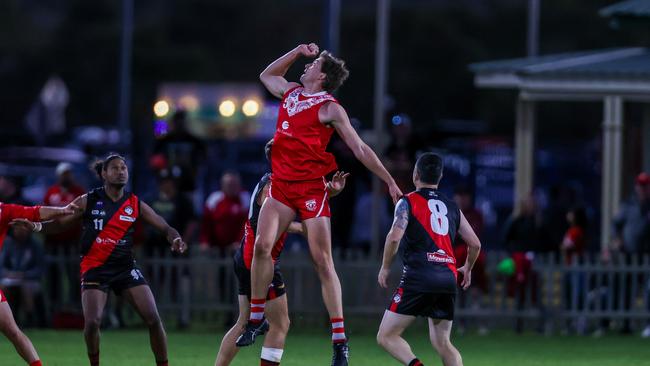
<point>524,150</point>
<point>612,164</point>
<point>646,138</point>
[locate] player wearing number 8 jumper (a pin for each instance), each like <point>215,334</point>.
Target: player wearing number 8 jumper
<point>427,224</point>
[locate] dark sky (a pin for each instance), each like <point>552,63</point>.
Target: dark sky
<point>432,42</point>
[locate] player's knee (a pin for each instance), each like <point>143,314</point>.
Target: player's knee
<point>324,264</point>
<point>92,324</point>
<point>441,344</point>
<point>382,338</point>
<point>152,320</point>
<point>285,323</point>
<point>241,321</point>
<point>280,324</point>
<point>262,247</point>
<point>11,332</point>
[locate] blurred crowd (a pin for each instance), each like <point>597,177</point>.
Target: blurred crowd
<point>563,226</point>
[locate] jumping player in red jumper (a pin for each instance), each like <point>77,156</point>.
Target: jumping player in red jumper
<point>108,215</point>
<point>277,311</point>
<point>308,117</point>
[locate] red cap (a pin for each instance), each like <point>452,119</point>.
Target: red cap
<point>643,179</point>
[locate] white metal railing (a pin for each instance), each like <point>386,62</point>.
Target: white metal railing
<point>588,288</point>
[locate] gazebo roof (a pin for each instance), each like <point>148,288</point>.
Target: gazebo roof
<point>629,8</point>
<point>610,71</point>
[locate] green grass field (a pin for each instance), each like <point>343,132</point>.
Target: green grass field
<point>131,348</point>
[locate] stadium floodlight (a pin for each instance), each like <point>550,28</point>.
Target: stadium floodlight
<point>227,108</point>
<point>251,108</point>
<point>189,103</point>
<point>161,108</point>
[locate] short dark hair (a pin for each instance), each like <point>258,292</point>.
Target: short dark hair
<point>102,165</point>
<point>429,167</point>
<point>335,71</point>
<point>267,150</point>
<point>580,216</point>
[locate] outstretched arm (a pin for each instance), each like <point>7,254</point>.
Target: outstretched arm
<point>36,213</point>
<point>473,248</point>
<point>273,76</point>
<point>335,114</point>
<point>400,222</point>
<point>73,213</point>
<point>152,218</point>
<point>48,213</point>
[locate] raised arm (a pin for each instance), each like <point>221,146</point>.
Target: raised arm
<point>400,222</point>
<point>335,114</point>
<point>273,76</point>
<point>473,249</point>
<point>152,218</point>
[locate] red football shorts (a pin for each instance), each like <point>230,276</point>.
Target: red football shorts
<point>309,198</point>
<point>3,298</point>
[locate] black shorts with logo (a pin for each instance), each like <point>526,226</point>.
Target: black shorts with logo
<point>276,289</point>
<point>117,280</point>
<point>428,304</point>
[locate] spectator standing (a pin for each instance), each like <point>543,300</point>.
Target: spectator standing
<point>464,200</point>
<point>224,216</point>
<point>222,229</point>
<point>524,236</point>
<point>177,209</point>
<point>572,248</point>
<point>23,263</point>
<point>632,237</point>
<point>64,245</point>
<point>180,151</point>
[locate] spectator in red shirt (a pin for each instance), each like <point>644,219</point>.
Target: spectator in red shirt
<point>222,228</point>
<point>64,191</point>
<point>573,246</point>
<point>574,240</point>
<point>224,216</point>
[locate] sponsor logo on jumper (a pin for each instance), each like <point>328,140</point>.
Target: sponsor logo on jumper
<point>285,125</point>
<point>440,257</point>
<point>127,218</point>
<point>397,298</point>
<point>99,203</point>
<point>311,205</point>
<point>128,210</point>
<point>98,212</point>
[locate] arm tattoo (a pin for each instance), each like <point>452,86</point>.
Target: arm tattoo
<point>401,215</point>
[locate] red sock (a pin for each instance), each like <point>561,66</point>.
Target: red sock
<point>162,363</point>
<point>94,359</point>
<point>36,363</point>
<point>257,310</point>
<point>338,330</point>
<point>415,362</point>
<point>264,362</point>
